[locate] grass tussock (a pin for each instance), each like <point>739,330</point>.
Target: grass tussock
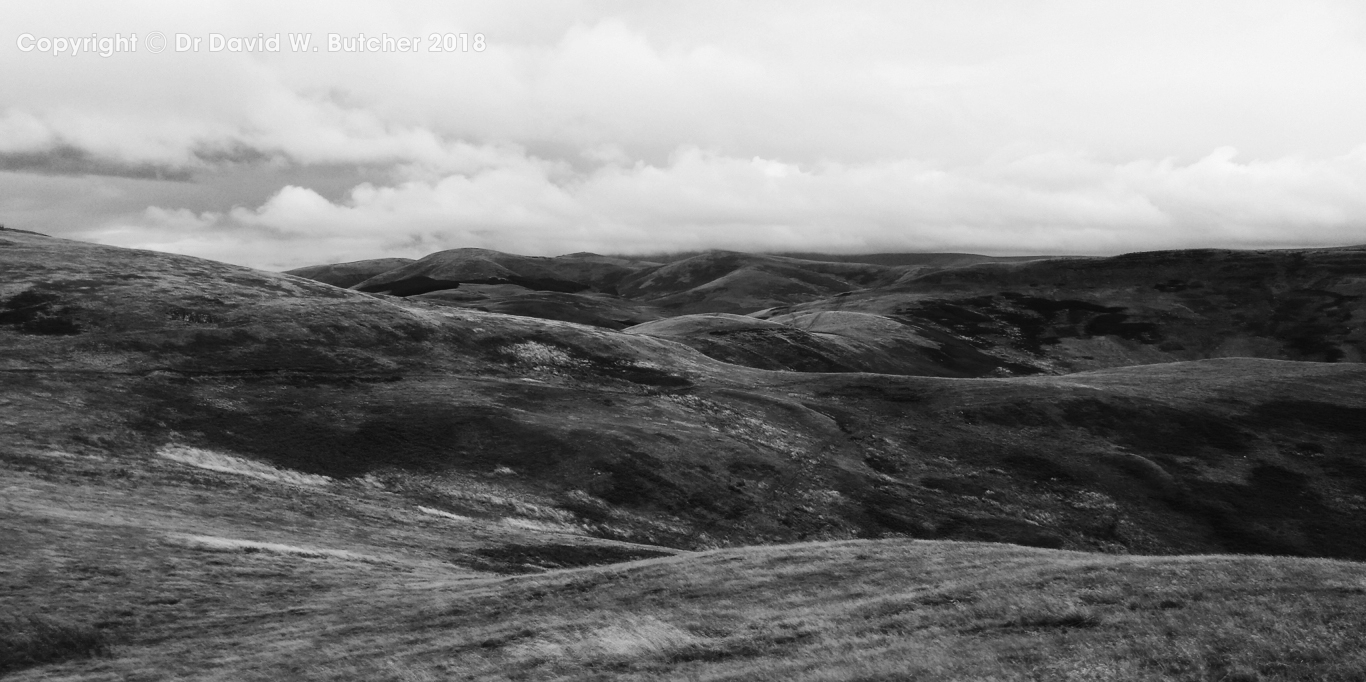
<point>626,638</point>
<point>887,611</point>
<point>1061,618</point>
<point>229,464</point>
<point>197,604</point>
<point>31,640</point>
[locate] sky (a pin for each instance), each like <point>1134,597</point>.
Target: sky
<point>988,126</point>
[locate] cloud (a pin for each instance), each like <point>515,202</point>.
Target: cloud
<point>291,130</point>
<point>64,159</point>
<point>988,125</point>
<point>1058,203</point>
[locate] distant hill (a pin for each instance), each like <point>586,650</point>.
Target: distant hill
<point>731,282</point>
<point>888,259</point>
<point>830,342</point>
<point>669,446</point>
<point>448,269</point>
<point>210,471</point>
<point>585,307</point>
<point>896,259</point>
<point>349,274</point>
<point>971,315</point>
<point>1068,314</point>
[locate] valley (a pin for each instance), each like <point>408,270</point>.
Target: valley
<point>757,465</point>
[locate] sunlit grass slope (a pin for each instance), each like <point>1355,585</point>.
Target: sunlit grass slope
<point>856,610</point>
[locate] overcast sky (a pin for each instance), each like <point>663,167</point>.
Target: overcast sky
<point>991,126</point>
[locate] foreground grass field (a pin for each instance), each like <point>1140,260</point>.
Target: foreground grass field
<point>229,577</point>
<point>846,611</point>
<point>212,473</point>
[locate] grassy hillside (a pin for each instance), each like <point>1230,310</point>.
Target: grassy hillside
<point>349,274</point>
<point>253,580</point>
<point>211,472</point>
<point>646,440</point>
<point>972,315</point>
<point>1069,314</point>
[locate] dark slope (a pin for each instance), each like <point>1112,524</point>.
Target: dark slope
<point>748,341</point>
<point>934,260</point>
<point>116,353</point>
<point>831,342</point>
<point>345,275</point>
<point>969,315</point>
<point>602,273</point>
<point>813,612</point>
<point>729,282</point>
<point>448,269</point>
<point>592,308</point>
<point>1075,314</point>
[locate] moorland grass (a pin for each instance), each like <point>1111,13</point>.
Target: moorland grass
<point>892,609</point>
<point>29,639</point>
<point>858,610</point>
<point>919,610</point>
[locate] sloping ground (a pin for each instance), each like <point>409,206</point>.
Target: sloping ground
<point>729,282</point>
<point>980,316</point>
<point>830,342</point>
<point>704,323</point>
<point>827,611</point>
<point>602,273</point>
<point>874,343</point>
<point>924,260</point>
<point>448,269</point>
<point>642,439</point>
<point>747,341</point>
<point>107,554</point>
<point>1070,314</point>
<point>209,472</point>
<point>597,309</point>
<point>345,275</point>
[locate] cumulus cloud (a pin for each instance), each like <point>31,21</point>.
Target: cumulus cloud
<point>991,126</point>
<point>1060,203</point>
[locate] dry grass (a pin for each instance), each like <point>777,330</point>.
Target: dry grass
<point>209,574</point>
<point>859,610</point>
<point>30,640</point>
<point>210,564</point>
<point>218,461</point>
<point>919,610</point>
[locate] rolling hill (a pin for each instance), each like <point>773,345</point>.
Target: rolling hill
<point>199,458</point>
<point>163,349</point>
<point>956,314</point>
<point>448,269</point>
<point>349,274</point>
<point>1071,314</point>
